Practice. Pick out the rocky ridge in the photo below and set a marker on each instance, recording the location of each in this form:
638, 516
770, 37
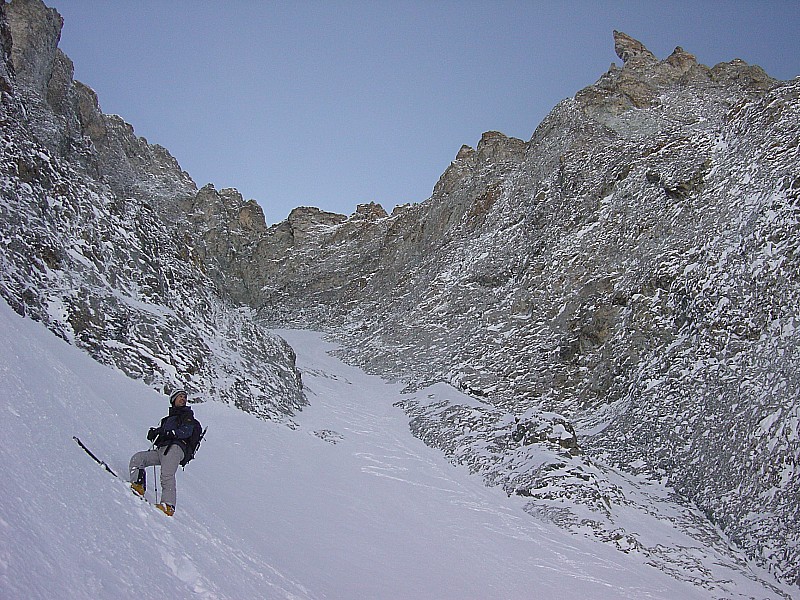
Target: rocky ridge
65, 117
90, 250
631, 269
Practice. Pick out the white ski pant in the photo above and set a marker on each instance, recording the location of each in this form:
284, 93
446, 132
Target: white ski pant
169, 465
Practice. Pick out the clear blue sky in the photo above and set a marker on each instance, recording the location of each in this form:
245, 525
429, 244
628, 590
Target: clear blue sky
334, 103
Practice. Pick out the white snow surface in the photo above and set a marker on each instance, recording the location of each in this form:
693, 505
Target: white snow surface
347, 505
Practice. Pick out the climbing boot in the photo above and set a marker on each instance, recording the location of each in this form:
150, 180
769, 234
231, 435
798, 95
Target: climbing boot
167, 509
140, 485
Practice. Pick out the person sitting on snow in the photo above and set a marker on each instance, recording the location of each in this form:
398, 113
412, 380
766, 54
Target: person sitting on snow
171, 439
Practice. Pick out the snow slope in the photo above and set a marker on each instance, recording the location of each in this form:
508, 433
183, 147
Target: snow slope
347, 504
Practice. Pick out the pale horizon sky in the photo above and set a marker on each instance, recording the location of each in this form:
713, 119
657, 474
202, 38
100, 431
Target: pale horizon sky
334, 104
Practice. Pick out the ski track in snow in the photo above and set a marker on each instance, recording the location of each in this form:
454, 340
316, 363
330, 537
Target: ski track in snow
347, 505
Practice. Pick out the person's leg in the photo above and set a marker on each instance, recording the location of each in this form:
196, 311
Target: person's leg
139, 461
170, 460
136, 469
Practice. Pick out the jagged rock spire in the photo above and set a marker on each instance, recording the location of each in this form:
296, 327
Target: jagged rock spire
627, 48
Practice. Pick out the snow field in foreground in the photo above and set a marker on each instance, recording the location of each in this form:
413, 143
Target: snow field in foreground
347, 505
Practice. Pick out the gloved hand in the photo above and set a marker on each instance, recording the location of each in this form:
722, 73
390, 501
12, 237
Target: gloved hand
152, 434
169, 435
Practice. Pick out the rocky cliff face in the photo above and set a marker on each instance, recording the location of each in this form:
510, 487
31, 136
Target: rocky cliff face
95, 243
65, 117
630, 271
618, 294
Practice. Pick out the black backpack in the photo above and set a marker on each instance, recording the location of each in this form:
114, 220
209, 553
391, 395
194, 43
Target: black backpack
193, 443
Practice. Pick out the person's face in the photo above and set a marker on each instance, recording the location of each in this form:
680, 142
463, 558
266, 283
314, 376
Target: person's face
180, 400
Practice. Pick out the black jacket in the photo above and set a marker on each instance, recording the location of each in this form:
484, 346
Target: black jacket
176, 427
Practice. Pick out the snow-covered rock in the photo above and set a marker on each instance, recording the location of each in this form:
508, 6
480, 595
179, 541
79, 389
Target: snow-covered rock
113, 272
631, 269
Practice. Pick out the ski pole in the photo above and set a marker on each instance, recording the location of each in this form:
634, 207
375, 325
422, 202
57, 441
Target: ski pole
155, 479
155, 482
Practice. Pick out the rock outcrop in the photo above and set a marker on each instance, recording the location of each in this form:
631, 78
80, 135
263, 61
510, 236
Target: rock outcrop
96, 246
65, 116
630, 270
